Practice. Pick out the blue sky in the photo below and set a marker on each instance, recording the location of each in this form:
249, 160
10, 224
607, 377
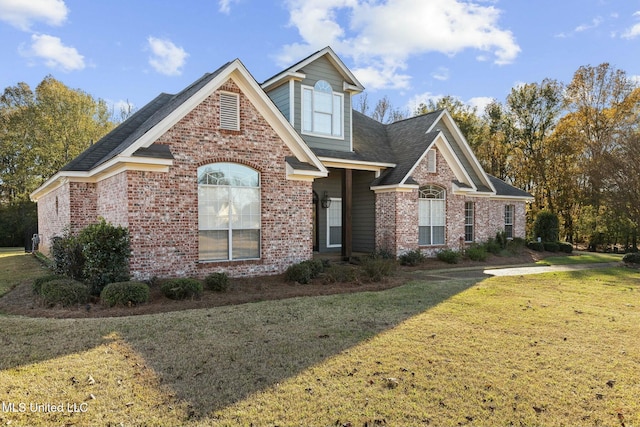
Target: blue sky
408, 50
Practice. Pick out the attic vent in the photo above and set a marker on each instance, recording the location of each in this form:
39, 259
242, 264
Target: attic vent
431, 161
229, 111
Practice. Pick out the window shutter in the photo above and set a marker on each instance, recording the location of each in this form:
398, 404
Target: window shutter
229, 111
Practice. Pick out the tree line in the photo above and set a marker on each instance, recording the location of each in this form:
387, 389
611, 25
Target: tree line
40, 131
575, 147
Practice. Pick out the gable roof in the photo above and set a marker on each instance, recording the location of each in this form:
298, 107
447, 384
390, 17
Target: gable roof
133, 140
296, 71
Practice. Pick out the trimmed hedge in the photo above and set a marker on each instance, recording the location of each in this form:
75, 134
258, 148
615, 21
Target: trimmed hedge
66, 292
536, 246
125, 293
37, 283
476, 253
631, 258
303, 272
412, 258
218, 282
182, 288
449, 256
377, 268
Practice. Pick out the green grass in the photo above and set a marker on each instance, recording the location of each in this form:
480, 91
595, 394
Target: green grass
549, 349
581, 258
17, 267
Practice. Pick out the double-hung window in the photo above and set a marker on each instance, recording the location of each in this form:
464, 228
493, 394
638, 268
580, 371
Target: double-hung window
469, 219
322, 110
509, 212
228, 212
431, 215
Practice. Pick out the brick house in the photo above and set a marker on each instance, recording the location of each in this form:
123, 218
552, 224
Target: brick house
231, 175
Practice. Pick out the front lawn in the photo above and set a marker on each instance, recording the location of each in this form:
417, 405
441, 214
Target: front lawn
581, 258
548, 349
17, 267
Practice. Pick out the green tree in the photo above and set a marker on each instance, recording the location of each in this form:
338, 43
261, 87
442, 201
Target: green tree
41, 131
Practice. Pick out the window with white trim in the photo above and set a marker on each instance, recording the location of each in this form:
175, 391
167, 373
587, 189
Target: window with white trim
229, 111
509, 214
431, 215
334, 224
322, 110
228, 212
469, 219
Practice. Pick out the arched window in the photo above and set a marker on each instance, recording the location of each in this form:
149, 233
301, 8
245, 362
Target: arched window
322, 110
228, 212
431, 215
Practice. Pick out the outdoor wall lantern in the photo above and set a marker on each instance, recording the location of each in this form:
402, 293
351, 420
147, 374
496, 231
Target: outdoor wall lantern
326, 201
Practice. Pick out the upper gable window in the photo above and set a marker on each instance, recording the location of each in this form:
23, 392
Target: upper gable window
229, 111
322, 110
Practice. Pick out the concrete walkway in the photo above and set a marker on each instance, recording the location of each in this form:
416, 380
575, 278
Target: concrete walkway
520, 271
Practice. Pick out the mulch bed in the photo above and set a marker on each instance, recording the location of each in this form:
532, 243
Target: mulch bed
21, 301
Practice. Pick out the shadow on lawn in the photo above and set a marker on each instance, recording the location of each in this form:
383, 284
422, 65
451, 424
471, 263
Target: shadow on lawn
216, 357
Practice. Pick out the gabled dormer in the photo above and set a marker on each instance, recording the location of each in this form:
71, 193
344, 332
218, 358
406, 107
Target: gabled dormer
315, 95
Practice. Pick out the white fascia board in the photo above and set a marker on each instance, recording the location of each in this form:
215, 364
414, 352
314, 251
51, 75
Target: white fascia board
104, 171
475, 163
304, 175
333, 162
282, 79
397, 188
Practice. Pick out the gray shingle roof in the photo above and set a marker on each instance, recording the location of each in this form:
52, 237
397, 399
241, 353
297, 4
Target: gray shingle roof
504, 189
124, 135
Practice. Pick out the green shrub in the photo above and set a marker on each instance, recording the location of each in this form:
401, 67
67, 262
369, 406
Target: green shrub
106, 250
183, 288
412, 258
565, 247
551, 246
383, 254
377, 268
516, 245
449, 256
476, 253
299, 272
340, 273
631, 258
66, 292
37, 283
493, 246
315, 265
125, 293
68, 259
218, 282
547, 226
536, 246
501, 239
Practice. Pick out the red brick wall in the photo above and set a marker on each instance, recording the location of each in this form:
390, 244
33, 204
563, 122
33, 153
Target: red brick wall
163, 207
397, 214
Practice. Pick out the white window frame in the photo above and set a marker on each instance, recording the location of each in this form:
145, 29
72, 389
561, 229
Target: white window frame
226, 223
310, 113
432, 212
509, 220
469, 221
334, 213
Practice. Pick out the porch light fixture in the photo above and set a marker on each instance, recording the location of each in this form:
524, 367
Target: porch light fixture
326, 201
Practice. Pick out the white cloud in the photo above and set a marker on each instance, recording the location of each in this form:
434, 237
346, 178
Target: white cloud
633, 31
480, 102
384, 35
442, 73
225, 6
54, 53
23, 13
595, 22
166, 58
